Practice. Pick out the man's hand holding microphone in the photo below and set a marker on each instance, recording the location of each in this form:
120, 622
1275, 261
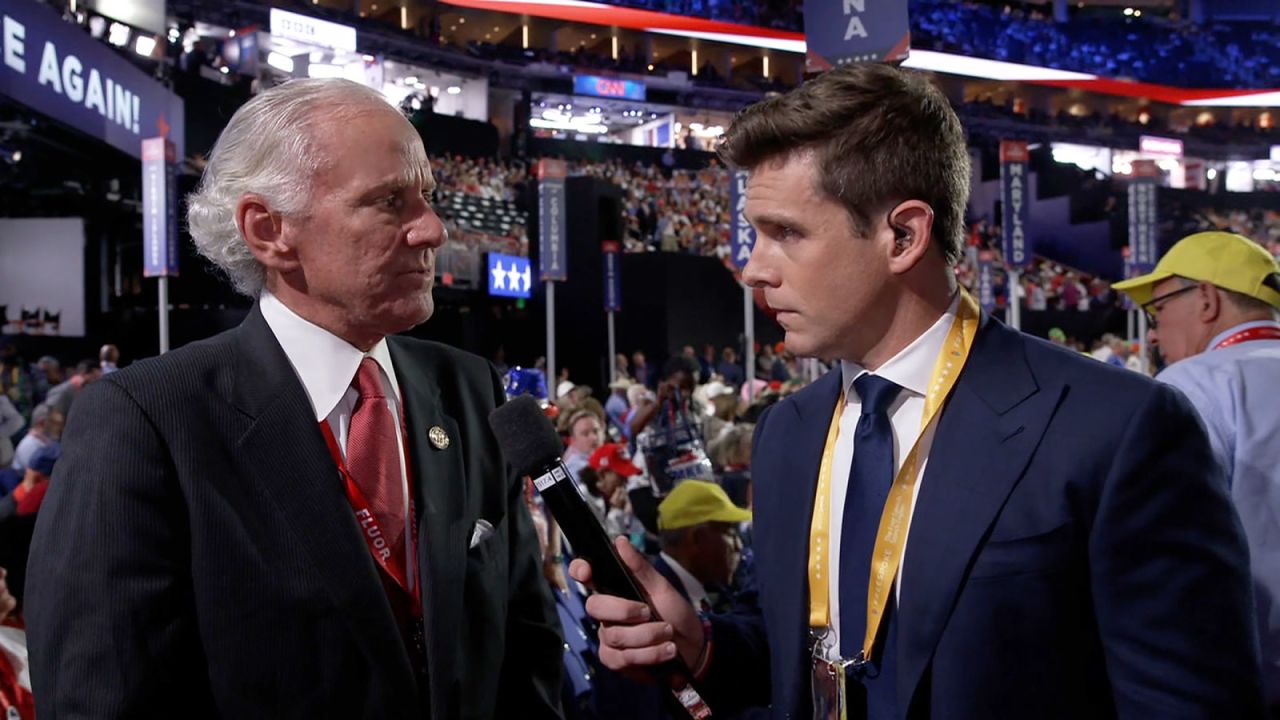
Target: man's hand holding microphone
630, 638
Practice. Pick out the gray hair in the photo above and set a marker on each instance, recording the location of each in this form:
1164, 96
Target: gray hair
268, 148
1252, 305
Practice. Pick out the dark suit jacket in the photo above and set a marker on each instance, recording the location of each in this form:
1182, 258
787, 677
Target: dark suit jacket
1073, 552
197, 556
665, 570
737, 712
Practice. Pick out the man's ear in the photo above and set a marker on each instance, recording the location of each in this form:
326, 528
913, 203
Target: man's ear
1210, 300
263, 231
911, 223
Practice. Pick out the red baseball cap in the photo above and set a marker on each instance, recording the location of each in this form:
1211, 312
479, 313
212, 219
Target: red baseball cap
613, 456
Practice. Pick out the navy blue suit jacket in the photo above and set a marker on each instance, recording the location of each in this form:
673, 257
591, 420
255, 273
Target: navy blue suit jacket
1073, 553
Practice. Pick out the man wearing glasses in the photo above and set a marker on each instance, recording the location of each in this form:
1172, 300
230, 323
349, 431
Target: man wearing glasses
1214, 302
701, 546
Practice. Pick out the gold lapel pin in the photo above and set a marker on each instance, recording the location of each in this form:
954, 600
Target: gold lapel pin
438, 437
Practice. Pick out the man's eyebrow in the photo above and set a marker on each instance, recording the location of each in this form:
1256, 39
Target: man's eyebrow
774, 219
383, 187
420, 174
402, 181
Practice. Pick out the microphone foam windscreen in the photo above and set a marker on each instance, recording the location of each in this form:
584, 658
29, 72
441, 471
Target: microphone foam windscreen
528, 440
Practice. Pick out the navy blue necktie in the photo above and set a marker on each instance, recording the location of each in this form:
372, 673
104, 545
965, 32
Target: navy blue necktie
870, 478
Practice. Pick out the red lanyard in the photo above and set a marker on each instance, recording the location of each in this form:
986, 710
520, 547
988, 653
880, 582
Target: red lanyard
394, 565
1265, 332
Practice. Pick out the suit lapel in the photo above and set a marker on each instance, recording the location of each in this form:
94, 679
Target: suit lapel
803, 435
988, 431
283, 449
795, 440
439, 481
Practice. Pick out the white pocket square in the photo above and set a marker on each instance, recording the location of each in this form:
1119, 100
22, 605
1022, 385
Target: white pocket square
480, 532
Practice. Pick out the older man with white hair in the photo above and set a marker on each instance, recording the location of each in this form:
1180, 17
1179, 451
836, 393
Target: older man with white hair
303, 516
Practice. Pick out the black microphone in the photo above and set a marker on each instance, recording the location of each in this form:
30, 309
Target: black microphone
533, 448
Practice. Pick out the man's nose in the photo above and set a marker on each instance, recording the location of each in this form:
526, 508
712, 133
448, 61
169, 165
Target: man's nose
428, 229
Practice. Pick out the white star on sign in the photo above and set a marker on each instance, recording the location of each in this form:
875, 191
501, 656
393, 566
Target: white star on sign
499, 277
524, 276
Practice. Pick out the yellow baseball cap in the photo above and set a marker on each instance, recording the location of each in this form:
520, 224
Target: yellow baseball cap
1229, 261
694, 502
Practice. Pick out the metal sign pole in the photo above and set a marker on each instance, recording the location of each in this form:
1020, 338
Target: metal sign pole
551, 250
1015, 302
613, 351
552, 379
160, 223
163, 303
749, 321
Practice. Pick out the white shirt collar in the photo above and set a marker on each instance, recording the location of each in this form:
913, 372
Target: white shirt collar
1239, 328
325, 363
912, 367
694, 589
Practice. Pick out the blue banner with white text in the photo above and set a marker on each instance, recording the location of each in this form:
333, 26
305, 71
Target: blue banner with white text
612, 276
986, 281
58, 69
1143, 224
838, 32
552, 243
1015, 197
159, 209
742, 236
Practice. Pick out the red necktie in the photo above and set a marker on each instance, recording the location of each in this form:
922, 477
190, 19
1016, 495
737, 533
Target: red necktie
373, 457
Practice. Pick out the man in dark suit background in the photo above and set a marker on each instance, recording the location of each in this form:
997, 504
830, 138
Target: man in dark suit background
1059, 544
303, 516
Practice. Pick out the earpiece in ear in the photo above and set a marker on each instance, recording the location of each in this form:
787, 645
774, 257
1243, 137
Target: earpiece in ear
901, 237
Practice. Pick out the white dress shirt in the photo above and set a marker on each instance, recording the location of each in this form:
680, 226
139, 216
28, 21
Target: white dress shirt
326, 365
911, 368
1235, 390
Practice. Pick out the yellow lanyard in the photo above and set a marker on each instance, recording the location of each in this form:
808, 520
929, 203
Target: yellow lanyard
887, 556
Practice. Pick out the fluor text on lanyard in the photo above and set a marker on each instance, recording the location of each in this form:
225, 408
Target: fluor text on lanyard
396, 566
